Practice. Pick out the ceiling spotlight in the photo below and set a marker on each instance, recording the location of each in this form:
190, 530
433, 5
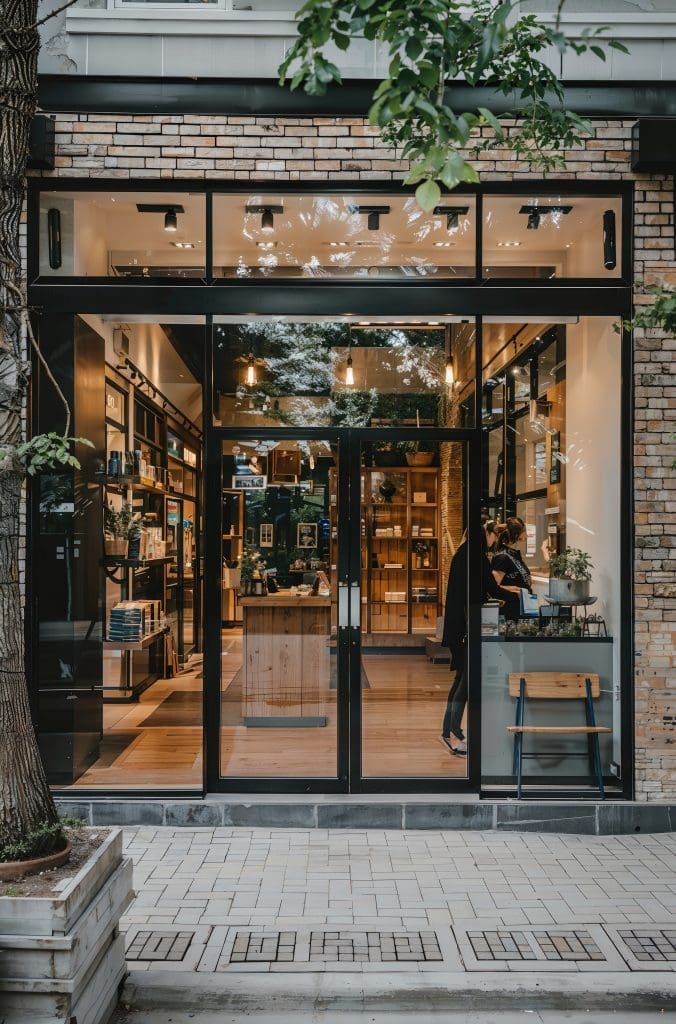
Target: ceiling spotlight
349, 373
533, 221
170, 220
251, 371
452, 215
373, 215
373, 221
535, 213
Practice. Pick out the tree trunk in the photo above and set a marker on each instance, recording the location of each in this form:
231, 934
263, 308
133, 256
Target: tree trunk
25, 800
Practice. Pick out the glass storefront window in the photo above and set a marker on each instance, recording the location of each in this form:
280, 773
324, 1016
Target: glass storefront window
360, 236
560, 490
535, 236
122, 234
343, 372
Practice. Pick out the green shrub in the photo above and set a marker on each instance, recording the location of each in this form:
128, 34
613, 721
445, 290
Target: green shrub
46, 839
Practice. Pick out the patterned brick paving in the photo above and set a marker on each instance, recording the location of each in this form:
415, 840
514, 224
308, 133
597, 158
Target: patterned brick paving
159, 946
650, 945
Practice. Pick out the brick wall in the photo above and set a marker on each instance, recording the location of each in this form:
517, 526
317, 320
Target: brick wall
148, 147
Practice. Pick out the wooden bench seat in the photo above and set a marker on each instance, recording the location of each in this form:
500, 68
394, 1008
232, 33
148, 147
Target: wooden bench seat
583, 686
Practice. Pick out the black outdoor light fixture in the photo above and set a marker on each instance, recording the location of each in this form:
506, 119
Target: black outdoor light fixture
609, 241
170, 211
452, 214
54, 237
373, 215
267, 212
536, 213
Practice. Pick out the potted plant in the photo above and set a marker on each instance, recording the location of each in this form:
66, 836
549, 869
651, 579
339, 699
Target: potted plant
389, 453
116, 526
419, 453
248, 567
569, 576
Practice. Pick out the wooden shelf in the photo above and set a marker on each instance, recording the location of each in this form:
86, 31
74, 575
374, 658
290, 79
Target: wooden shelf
136, 483
135, 645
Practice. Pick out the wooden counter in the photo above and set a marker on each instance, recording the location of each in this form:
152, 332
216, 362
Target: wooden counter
287, 666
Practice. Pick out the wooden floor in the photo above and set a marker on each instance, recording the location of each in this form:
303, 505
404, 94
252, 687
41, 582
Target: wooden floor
402, 711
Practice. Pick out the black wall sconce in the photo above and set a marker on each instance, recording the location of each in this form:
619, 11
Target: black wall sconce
54, 237
609, 241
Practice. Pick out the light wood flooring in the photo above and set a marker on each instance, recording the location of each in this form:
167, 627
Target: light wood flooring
402, 711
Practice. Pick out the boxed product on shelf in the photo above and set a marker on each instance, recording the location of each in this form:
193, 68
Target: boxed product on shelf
395, 597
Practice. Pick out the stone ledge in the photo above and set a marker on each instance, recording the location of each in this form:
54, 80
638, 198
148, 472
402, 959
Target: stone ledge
422, 811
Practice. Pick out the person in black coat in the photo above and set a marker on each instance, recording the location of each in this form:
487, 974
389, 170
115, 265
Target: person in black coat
455, 638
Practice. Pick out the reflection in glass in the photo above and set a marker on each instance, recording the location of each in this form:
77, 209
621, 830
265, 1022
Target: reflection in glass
531, 236
339, 236
302, 372
279, 617
560, 434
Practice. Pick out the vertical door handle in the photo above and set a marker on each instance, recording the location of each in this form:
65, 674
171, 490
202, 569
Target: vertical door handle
343, 605
355, 606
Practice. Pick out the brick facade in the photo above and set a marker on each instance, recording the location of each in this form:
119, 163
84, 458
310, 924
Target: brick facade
145, 148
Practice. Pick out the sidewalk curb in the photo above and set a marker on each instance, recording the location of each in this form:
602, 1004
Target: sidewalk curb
263, 993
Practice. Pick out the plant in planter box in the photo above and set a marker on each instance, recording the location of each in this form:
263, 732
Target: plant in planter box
569, 575
116, 526
389, 453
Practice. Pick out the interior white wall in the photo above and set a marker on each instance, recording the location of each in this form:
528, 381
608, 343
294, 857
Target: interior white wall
593, 449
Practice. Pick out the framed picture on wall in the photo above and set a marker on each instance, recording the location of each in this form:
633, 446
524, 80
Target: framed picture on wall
284, 465
555, 458
266, 535
307, 535
249, 483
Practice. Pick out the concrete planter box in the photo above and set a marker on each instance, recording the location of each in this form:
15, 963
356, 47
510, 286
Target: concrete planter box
62, 956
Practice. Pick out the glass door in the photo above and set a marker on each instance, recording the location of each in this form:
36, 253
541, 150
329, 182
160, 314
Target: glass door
283, 616
411, 690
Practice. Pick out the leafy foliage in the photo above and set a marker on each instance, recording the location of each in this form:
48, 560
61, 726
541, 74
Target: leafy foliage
117, 522
571, 564
431, 44
47, 838
46, 451
660, 314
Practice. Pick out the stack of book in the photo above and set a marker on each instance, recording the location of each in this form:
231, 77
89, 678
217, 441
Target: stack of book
130, 621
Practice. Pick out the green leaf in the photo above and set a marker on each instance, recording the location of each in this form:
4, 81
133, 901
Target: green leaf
600, 53
428, 195
617, 45
490, 118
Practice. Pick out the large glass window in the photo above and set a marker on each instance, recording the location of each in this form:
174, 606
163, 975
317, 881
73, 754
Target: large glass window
122, 234
536, 236
557, 500
343, 372
360, 236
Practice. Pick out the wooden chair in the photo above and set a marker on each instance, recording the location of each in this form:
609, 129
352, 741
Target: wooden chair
583, 686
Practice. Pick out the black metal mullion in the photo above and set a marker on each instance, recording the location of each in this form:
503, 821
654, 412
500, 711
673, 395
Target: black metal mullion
211, 617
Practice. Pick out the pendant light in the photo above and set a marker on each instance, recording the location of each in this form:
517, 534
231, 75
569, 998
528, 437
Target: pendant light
349, 372
450, 366
250, 371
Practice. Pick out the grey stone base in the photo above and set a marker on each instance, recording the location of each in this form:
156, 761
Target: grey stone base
428, 811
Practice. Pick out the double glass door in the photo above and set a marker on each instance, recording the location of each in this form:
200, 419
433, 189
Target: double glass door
335, 552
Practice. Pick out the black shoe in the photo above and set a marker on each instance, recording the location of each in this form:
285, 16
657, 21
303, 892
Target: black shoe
447, 743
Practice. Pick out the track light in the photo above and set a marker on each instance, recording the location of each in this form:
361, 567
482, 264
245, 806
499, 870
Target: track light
452, 215
373, 215
533, 221
373, 221
267, 221
251, 371
170, 220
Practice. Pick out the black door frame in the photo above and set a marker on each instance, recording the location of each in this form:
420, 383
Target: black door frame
348, 776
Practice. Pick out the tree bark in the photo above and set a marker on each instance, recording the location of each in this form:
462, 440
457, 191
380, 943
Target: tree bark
25, 799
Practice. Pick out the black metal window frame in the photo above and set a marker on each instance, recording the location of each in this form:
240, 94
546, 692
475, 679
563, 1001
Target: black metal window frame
473, 297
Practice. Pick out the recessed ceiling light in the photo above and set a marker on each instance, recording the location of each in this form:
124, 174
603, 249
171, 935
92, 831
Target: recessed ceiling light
183, 245
508, 245
266, 245
335, 244
444, 245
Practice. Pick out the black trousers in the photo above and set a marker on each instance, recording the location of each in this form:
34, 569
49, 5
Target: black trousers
455, 705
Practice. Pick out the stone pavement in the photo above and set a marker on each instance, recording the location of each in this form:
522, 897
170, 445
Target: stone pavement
228, 902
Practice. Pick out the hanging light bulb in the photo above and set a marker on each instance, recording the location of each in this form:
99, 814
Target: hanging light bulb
311, 461
450, 372
251, 371
349, 373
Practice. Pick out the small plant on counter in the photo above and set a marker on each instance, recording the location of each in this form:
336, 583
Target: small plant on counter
571, 564
117, 522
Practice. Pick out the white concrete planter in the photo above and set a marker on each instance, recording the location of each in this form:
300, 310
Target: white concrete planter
62, 956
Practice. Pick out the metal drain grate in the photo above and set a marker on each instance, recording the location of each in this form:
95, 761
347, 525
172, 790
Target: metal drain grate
564, 945
373, 947
159, 946
501, 945
649, 945
263, 947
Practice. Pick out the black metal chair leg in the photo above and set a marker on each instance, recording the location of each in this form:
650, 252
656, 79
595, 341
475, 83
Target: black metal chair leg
599, 771
519, 770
